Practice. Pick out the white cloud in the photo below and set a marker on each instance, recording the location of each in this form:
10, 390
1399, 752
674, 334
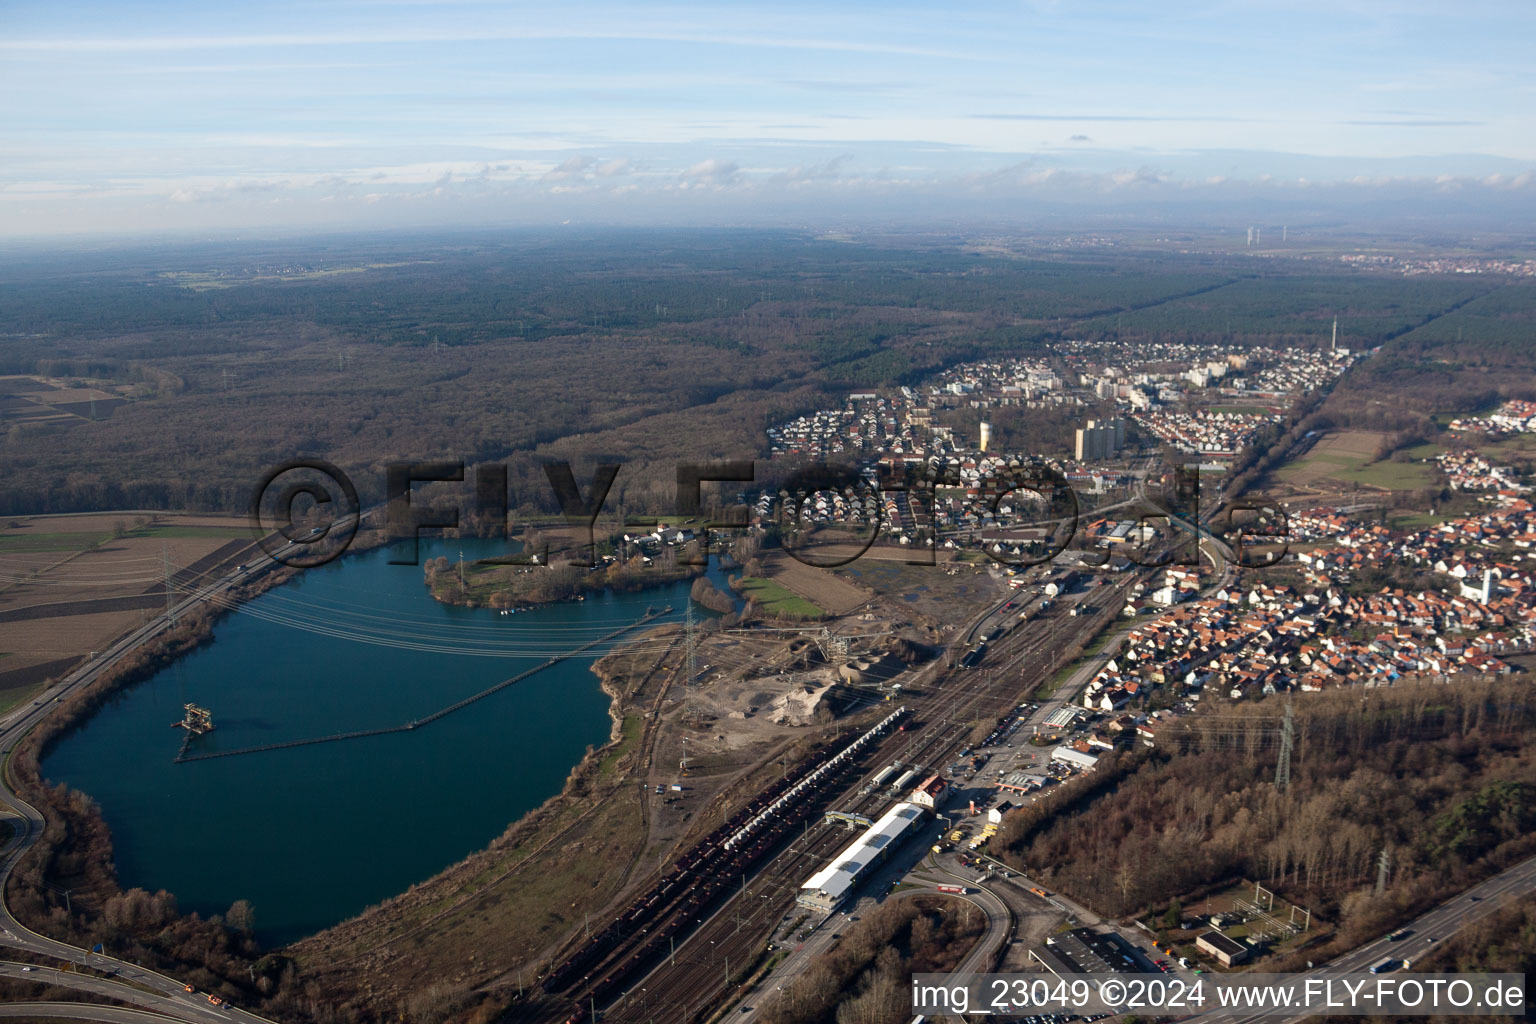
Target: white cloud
484, 33
1140, 176
830, 170
710, 172
572, 167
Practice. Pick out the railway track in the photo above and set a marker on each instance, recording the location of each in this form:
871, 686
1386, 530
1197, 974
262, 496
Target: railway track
701, 879
727, 941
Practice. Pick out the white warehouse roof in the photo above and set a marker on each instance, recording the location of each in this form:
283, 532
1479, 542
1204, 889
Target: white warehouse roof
1076, 758
834, 880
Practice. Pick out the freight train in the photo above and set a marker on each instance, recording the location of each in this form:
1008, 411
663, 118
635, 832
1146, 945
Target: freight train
705, 874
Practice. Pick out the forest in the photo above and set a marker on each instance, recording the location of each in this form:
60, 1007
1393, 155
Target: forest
1442, 777
642, 347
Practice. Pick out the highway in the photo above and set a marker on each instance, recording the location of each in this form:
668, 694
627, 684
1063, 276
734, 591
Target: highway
187, 1007
84, 1011
164, 993
150, 989
1428, 930
1435, 925
166, 998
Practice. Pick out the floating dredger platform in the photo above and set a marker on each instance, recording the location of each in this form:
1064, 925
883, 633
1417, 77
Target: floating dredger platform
196, 721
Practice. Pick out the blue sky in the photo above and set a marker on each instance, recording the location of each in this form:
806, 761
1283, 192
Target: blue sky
193, 116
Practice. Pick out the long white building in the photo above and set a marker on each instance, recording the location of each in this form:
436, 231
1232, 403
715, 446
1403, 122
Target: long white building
827, 888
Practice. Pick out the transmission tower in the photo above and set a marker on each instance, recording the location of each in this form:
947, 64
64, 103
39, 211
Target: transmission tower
693, 653
691, 711
839, 647
1383, 868
170, 590
1287, 738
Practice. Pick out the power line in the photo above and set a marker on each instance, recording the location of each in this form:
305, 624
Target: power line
170, 593
691, 711
693, 655
1287, 739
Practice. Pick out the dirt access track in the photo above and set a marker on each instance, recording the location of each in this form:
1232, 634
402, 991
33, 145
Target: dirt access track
71, 584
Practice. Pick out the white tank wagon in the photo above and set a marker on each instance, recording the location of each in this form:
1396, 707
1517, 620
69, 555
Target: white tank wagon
836, 764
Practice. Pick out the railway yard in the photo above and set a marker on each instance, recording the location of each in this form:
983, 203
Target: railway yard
698, 930
769, 728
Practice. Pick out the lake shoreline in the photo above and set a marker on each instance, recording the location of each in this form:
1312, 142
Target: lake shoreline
253, 715
445, 591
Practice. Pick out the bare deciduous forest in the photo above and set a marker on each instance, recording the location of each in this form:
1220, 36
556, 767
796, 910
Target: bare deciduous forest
642, 347
660, 347
1442, 777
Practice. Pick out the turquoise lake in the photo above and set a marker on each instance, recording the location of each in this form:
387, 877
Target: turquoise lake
312, 835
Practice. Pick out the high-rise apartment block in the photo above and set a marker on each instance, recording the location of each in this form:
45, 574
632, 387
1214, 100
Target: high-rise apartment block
1098, 439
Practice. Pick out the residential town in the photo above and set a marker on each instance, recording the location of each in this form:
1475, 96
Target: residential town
1467, 470
713, 513
1513, 417
1256, 636
1420, 266
1167, 387
1221, 434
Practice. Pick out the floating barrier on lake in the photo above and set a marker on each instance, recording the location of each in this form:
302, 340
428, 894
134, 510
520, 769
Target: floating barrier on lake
650, 616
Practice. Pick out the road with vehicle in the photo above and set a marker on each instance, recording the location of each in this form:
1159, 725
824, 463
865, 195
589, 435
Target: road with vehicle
27, 826
84, 1011
191, 1007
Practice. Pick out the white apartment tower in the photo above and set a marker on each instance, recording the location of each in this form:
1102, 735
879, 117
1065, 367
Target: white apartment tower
1100, 439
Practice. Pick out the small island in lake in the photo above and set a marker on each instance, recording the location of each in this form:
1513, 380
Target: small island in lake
519, 581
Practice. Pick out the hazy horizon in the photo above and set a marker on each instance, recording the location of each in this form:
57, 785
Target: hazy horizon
170, 118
